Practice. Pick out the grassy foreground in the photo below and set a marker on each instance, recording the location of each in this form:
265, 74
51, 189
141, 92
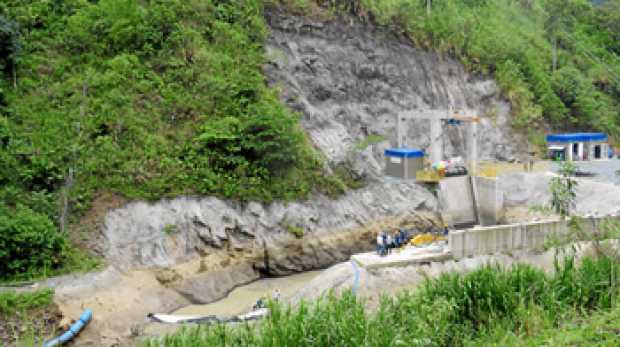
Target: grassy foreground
26, 317
491, 305
600, 329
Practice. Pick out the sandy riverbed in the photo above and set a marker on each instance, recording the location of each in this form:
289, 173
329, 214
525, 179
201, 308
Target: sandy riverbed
241, 299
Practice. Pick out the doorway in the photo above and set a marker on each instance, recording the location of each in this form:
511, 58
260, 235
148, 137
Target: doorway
597, 152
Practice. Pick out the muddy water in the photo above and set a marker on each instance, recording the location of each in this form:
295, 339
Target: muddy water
241, 299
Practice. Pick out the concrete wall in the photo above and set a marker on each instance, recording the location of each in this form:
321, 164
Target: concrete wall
490, 200
505, 238
456, 200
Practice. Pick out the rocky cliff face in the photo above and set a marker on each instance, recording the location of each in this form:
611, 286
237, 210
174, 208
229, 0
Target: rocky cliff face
349, 80
238, 241
142, 235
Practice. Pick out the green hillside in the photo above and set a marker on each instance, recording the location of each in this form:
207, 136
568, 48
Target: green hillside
150, 99
145, 99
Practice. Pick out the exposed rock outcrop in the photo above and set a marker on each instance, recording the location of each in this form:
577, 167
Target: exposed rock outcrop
211, 285
142, 235
349, 80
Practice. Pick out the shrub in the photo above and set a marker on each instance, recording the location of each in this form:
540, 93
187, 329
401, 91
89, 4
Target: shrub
29, 242
563, 190
296, 231
371, 139
170, 229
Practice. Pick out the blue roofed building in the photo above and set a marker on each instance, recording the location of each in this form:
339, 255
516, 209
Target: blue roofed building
403, 162
578, 146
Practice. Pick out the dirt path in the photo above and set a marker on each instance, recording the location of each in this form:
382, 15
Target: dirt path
120, 302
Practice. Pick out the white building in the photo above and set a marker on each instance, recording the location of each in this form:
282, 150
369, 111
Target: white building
578, 146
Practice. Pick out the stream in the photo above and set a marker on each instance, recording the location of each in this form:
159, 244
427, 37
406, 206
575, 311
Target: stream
241, 299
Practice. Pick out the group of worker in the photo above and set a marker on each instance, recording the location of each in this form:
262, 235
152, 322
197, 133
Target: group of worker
387, 241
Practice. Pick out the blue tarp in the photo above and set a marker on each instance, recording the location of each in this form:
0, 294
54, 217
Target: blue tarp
577, 137
404, 152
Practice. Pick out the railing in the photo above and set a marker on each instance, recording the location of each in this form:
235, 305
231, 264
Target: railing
495, 169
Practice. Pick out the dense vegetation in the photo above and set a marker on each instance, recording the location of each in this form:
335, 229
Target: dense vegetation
600, 329
478, 308
145, 99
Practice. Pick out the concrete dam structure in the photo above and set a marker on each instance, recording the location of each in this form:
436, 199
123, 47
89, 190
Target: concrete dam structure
491, 240
466, 200
522, 236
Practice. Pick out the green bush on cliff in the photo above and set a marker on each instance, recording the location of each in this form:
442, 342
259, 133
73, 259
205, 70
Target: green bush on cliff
29, 242
150, 99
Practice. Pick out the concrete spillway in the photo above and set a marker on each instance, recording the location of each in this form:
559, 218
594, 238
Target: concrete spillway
470, 200
456, 200
403, 257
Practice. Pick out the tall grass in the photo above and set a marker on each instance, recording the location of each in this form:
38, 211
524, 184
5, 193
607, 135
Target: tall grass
446, 311
13, 303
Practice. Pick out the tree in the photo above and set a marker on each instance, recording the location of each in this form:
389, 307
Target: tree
559, 19
562, 187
